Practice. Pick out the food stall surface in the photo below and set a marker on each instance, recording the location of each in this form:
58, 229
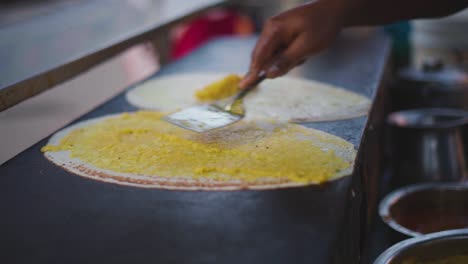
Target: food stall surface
41, 51
52, 216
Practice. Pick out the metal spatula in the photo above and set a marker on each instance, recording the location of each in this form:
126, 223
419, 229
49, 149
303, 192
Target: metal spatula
207, 117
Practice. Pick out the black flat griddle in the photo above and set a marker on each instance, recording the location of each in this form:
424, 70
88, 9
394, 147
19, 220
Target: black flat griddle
49, 215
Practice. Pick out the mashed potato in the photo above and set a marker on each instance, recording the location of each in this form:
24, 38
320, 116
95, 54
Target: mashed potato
218, 90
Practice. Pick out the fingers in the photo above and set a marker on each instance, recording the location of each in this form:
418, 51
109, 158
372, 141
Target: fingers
294, 55
248, 79
281, 63
271, 41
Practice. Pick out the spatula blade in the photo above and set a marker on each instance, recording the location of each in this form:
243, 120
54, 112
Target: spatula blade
202, 118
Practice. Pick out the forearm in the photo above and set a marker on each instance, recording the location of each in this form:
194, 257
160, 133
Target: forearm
291, 37
378, 12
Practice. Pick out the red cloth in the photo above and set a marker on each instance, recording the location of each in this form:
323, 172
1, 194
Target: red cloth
200, 30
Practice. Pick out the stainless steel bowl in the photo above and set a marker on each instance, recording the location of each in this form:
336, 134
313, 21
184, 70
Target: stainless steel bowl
428, 145
426, 208
427, 248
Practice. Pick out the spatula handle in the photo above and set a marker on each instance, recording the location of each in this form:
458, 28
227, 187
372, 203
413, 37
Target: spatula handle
249, 88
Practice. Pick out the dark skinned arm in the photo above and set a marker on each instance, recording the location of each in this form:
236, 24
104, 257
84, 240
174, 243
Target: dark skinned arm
375, 12
291, 37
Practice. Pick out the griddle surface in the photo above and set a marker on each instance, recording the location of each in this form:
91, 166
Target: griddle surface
51, 216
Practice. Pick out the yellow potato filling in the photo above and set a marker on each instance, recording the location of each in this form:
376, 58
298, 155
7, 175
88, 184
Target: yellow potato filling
143, 144
220, 89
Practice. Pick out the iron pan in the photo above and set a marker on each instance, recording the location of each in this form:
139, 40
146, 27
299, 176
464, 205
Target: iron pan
56, 217
52, 216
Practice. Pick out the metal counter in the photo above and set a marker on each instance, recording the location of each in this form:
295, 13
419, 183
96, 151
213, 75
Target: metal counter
42, 51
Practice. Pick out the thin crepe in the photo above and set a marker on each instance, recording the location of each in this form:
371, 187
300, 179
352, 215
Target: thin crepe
139, 149
284, 99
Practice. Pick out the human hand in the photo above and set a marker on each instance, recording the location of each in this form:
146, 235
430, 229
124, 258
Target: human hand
289, 38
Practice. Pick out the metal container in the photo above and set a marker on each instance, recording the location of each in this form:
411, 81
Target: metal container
432, 86
427, 248
426, 208
428, 145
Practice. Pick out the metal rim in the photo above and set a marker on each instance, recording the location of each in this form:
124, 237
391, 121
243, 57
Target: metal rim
393, 197
400, 247
462, 114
